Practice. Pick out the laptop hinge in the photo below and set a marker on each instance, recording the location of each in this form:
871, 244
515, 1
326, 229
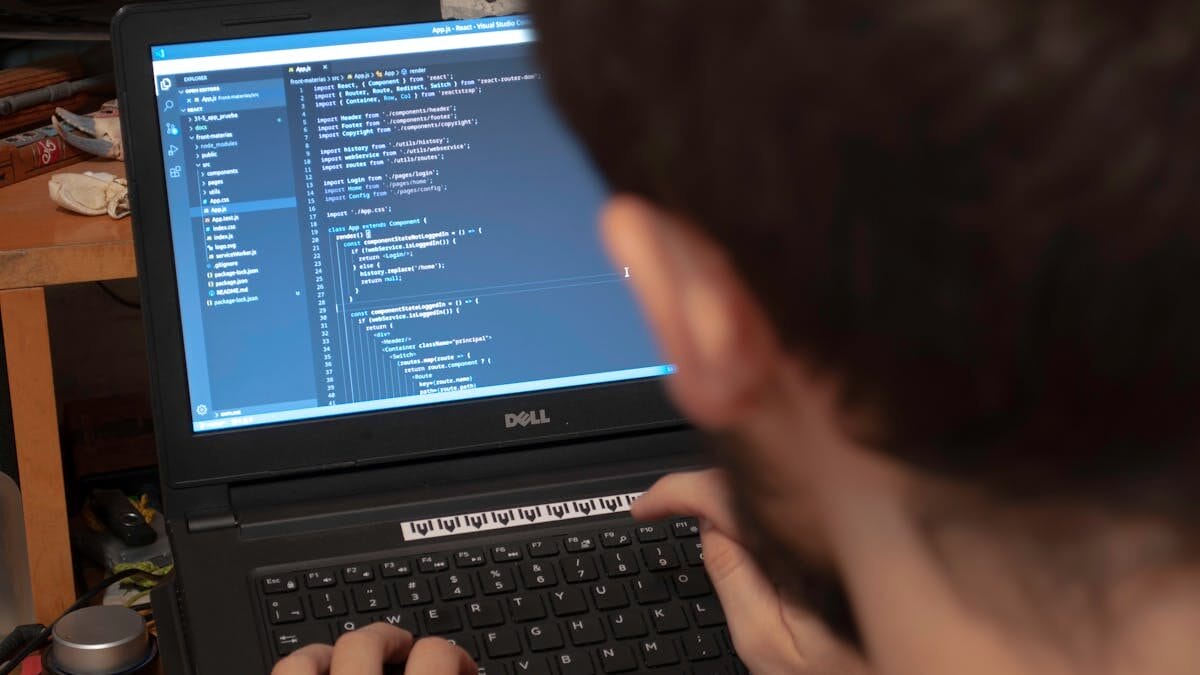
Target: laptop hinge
211, 520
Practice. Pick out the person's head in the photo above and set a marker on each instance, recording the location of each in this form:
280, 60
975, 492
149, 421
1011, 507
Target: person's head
978, 222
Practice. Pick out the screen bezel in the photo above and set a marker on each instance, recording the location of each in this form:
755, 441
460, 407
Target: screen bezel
188, 458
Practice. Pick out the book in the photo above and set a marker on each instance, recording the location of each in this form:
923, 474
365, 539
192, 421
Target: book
33, 153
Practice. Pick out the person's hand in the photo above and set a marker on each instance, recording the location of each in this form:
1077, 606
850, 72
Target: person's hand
771, 635
366, 650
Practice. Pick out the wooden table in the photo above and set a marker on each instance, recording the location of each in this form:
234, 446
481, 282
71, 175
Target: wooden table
42, 245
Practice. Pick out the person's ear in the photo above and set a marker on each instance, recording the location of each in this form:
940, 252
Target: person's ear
707, 322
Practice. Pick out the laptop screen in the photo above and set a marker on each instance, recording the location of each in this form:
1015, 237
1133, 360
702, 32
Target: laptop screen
378, 218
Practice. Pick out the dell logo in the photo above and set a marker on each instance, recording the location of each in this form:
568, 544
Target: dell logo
524, 419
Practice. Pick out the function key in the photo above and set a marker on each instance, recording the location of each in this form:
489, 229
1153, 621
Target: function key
506, 553
542, 548
616, 538
395, 568
285, 610
686, 527
433, 563
356, 574
279, 584
320, 579
579, 543
470, 558
651, 532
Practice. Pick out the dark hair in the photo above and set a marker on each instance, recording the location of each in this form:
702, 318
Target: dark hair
984, 216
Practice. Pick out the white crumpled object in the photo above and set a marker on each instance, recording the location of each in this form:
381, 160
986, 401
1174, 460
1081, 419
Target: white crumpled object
91, 193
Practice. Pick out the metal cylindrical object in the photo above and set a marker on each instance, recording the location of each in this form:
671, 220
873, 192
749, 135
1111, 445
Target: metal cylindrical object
100, 641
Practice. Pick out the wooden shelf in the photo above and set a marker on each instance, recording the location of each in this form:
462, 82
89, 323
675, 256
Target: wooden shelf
44, 245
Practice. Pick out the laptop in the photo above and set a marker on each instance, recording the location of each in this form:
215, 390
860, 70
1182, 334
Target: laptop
395, 377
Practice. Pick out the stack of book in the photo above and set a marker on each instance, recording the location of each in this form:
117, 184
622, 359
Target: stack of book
28, 146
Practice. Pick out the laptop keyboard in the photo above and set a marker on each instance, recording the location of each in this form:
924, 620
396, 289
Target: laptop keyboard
612, 599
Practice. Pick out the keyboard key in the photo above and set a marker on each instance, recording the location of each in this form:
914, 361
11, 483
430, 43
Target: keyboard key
538, 574
691, 584
573, 663
430, 564
668, 619
707, 612
289, 640
286, 609
441, 620
413, 592
649, 590
346, 625
467, 643
327, 604
484, 613
616, 538
660, 557
370, 598
394, 568
658, 652
609, 596
497, 580
279, 584
579, 568
470, 558
568, 601
617, 658
543, 637
686, 527
627, 624
585, 630
526, 608
320, 579
579, 544
357, 574
693, 552
619, 563
701, 645
406, 621
651, 532
455, 586
506, 553
491, 668
501, 642
534, 665
542, 548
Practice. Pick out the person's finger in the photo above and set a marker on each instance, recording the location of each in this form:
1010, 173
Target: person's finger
309, 660
704, 494
435, 656
364, 651
751, 603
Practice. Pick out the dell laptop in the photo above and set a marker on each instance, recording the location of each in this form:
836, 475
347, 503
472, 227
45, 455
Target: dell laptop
395, 377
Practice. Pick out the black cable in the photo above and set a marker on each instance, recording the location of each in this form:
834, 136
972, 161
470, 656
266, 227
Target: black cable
18, 638
84, 599
117, 298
